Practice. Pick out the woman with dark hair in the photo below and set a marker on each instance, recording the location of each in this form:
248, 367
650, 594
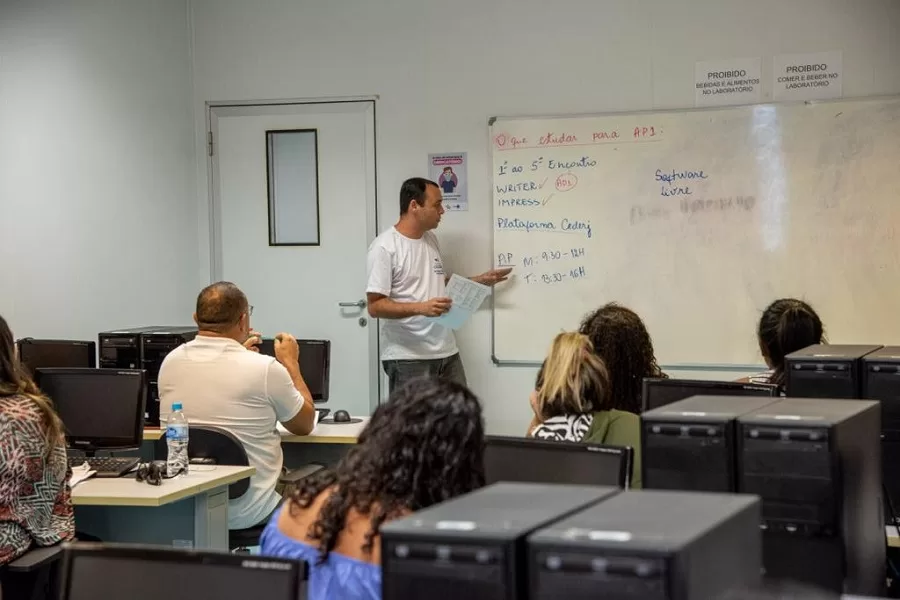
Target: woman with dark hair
424, 446
35, 499
622, 342
787, 325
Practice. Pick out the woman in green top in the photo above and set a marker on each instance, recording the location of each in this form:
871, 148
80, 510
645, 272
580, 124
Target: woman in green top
571, 401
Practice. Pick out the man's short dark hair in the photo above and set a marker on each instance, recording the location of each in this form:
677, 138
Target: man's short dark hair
413, 189
220, 306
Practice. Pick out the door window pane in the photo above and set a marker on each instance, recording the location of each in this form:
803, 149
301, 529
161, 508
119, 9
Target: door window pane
293, 181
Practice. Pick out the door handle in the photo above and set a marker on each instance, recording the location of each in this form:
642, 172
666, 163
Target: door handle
357, 304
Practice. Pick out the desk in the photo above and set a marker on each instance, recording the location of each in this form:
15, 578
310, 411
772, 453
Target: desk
327, 443
893, 538
187, 511
324, 433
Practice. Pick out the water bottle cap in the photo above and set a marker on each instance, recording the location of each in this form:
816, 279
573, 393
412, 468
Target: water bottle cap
176, 406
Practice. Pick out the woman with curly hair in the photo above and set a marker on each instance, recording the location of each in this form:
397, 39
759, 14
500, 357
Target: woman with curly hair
622, 342
424, 446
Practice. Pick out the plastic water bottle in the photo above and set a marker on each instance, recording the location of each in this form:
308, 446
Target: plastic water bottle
177, 434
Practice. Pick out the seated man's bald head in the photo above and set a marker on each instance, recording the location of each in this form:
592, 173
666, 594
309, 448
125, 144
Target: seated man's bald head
220, 307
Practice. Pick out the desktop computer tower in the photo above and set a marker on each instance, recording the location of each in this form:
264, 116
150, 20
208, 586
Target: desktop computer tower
473, 547
826, 371
155, 345
142, 348
690, 444
881, 381
121, 348
649, 545
816, 464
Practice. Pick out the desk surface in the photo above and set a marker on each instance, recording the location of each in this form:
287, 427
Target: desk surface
126, 491
893, 537
324, 433
327, 433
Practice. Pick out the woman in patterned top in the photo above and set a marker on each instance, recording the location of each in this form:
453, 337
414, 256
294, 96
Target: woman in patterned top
572, 402
787, 325
35, 500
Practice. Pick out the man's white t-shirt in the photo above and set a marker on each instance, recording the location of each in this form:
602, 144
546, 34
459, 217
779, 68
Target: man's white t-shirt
409, 270
221, 383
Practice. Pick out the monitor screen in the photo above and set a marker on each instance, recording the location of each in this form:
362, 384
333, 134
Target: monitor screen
152, 574
660, 392
39, 354
315, 364
100, 408
540, 461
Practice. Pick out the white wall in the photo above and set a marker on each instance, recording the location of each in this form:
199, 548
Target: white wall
441, 69
98, 216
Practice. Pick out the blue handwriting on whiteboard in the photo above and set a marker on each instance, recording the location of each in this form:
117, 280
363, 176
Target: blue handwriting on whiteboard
673, 176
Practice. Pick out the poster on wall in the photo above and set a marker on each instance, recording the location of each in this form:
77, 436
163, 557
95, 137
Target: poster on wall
450, 172
727, 82
815, 76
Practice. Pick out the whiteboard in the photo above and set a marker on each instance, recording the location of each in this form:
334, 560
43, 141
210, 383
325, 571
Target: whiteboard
697, 220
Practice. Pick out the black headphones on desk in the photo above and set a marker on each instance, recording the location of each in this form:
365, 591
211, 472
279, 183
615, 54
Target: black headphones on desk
154, 472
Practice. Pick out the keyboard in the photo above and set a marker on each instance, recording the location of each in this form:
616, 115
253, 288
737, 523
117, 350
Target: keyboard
106, 466
323, 412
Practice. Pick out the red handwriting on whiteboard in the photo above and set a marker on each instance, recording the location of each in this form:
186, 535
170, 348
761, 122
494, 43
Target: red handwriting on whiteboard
566, 182
599, 136
645, 132
505, 142
557, 139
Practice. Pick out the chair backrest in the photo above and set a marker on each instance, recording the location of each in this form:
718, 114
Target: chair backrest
218, 445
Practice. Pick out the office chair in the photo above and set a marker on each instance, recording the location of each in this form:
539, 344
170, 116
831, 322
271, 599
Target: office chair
221, 446
32, 576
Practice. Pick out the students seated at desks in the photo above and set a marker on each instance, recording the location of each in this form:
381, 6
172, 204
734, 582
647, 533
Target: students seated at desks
572, 401
787, 325
220, 382
424, 446
621, 340
35, 499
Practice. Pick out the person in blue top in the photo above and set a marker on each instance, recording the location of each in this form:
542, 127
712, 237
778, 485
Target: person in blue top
424, 446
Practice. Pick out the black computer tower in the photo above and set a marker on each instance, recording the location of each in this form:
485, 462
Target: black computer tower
690, 444
816, 464
121, 348
650, 545
473, 547
826, 371
143, 348
155, 345
881, 381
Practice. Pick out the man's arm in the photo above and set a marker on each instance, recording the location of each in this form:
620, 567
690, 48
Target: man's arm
285, 387
492, 277
288, 390
382, 307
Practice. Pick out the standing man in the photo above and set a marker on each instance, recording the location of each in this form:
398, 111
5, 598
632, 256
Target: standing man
407, 285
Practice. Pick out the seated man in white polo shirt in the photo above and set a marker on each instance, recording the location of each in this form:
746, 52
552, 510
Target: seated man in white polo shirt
219, 381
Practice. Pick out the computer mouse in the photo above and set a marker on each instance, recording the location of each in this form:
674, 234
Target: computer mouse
341, 416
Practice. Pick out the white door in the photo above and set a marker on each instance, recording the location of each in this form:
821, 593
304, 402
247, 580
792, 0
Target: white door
310, 291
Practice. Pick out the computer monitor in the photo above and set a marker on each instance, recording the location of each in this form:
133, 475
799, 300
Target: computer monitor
101, 409
315, 364
528, 460
97, 571
38, 354
659, 392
